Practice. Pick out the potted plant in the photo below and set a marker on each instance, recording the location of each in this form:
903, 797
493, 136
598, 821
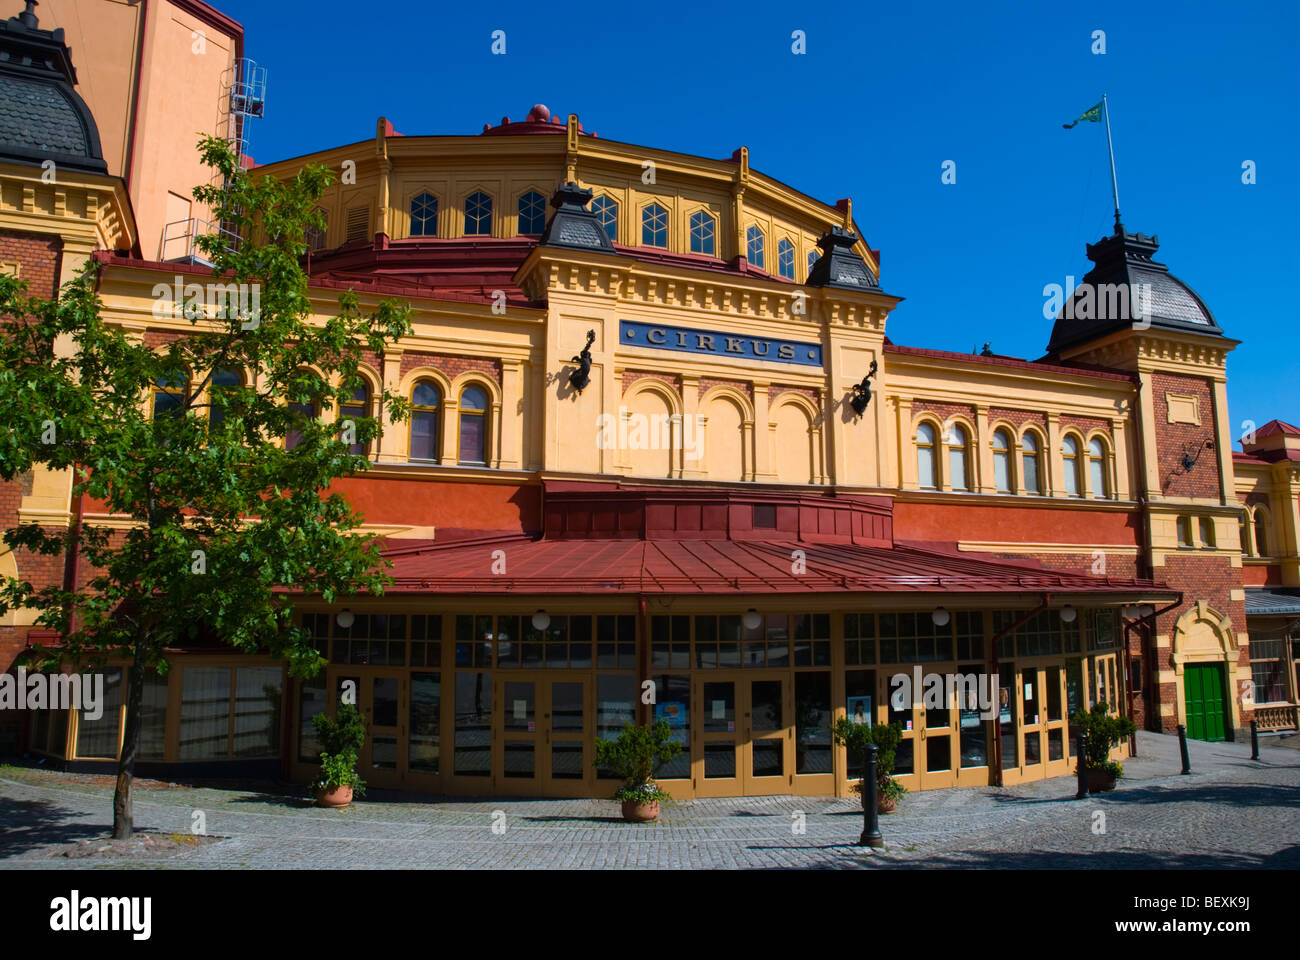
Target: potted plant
886, 736
341, 736
1102, 733
636, 756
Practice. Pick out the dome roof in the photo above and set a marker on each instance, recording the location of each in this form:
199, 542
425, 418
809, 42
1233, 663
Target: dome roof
41, 116
1125, 287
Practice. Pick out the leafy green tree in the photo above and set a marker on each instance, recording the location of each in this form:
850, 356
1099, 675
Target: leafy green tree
227, 519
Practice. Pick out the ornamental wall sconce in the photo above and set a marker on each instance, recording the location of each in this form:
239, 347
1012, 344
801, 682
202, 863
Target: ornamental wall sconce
1192, 451
862, 392
582, 376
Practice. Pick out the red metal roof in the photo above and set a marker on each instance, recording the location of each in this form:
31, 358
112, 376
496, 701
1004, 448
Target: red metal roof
680, 566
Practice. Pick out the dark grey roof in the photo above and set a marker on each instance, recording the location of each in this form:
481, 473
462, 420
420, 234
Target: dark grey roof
1105, 302
839, 265
1274, 602
41, 116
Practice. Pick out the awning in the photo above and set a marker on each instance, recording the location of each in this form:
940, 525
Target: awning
1279, 601
725, 566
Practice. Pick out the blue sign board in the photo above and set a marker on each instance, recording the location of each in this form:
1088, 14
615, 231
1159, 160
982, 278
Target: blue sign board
633, 333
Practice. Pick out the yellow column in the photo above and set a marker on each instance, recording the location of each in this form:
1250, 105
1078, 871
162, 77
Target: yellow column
906, 455
393, 437
984, 450
510, 423
763, 432
1055, 468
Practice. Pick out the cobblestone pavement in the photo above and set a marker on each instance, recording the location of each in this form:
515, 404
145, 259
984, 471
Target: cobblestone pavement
1231, 812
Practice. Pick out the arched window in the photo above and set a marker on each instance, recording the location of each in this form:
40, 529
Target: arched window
654, 226
926, 475
702, 227
532, 213
169, 395
294, 437
957, 443
1097, 470
1261, 532
813, 256
426, 398
357, 407
1002, 461
478, 215
785, 259
222, 380
1243, 528
1070, 462
473, 425
606, 211
1030, 475
754, 246
424, 215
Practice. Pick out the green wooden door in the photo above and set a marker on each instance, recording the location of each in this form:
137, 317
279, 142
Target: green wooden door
1203, 693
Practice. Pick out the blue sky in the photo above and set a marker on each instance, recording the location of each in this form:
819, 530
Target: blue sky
884, 95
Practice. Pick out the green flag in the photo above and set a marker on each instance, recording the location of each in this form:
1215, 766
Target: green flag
1092, 115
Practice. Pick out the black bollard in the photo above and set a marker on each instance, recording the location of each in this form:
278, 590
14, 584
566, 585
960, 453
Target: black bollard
1081, 752
1254, 739
870, 814
1182, 748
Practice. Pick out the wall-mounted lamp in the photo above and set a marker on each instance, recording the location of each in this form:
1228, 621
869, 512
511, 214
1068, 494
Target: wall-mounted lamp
862, 392
582, 376
751, 619
345, 619
1190, 458
1069, 614
541, 620
940, 616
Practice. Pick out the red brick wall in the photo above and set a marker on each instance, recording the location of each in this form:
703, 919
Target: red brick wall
708, 383
451, 367
1210, 579
1019, 417
38, 259
944, 410
1172, 439
632, 376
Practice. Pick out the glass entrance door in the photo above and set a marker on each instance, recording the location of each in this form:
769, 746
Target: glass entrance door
718, 738
382, 697
545, 732
746, 735
937, 720
568, 768
520, 757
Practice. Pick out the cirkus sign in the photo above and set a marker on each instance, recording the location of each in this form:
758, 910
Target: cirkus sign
660, 337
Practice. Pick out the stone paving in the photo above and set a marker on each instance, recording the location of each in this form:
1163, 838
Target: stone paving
1231, 812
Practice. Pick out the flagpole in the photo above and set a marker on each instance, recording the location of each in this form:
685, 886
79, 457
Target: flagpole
1114, 186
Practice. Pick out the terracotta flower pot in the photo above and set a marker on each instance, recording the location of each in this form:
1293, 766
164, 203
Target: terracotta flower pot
636, 811
1100, 780
334, 797
886, 804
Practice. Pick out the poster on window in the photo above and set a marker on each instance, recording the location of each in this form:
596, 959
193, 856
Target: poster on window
860, 710
673, 711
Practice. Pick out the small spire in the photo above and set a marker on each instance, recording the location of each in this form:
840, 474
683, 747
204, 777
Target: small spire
28, 17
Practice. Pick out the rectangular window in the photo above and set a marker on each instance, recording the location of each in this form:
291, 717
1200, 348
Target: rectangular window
257, 712
1104, 623
1185, 531
153, 717
424, 746
1207, 532
859, 692
473, 743
98, 739
673, 704
311, 701
1268, 669
812, 736
205, 713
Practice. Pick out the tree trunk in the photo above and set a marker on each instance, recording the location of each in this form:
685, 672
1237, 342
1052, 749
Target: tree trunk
123, 820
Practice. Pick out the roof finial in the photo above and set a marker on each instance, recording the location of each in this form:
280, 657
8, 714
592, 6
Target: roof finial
28, 17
